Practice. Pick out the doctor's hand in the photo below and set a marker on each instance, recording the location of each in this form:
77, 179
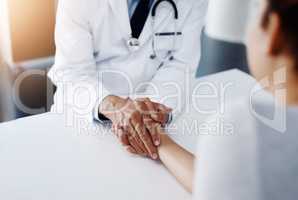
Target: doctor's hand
135, 123
151, 110
131, 144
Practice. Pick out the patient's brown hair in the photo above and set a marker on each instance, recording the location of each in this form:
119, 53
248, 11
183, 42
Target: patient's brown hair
287, 10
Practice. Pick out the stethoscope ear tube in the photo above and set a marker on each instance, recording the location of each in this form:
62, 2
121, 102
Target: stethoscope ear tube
155, 6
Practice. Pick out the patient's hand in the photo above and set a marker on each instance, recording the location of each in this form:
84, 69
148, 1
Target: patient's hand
135, 123
157, 112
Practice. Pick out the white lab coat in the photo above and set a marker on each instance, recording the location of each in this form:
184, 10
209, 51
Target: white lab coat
93, 59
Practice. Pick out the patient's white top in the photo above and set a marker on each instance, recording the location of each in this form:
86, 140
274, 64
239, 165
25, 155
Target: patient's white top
247, 158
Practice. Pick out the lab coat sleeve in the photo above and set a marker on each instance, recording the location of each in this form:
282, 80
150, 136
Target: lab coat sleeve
170, 86
79, 86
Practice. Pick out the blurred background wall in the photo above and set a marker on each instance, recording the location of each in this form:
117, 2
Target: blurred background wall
218, 56
31, 27
27, 50
7, 111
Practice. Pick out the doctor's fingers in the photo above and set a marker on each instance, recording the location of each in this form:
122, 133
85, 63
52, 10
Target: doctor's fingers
142, 107
148, 108
163, 114
154, 105
123, 138
157, 112
161, 118
145, 137
164, 108
131, 150
134, 144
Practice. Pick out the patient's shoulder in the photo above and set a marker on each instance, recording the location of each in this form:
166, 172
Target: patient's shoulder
235, 118
227, 157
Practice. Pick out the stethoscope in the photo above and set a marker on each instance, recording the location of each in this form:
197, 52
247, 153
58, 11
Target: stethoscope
134, 43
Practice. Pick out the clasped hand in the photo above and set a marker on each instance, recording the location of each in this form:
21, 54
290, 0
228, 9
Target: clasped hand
136, 123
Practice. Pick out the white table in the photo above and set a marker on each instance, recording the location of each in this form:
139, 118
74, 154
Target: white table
41, 158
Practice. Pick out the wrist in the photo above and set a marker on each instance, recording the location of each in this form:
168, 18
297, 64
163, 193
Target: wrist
110, 105
165, 141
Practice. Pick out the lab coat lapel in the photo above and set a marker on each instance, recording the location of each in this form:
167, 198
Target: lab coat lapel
120, 11
164, 15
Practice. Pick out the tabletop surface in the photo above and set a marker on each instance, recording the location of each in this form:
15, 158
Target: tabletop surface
42, 158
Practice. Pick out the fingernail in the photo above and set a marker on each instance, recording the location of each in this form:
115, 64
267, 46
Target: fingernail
157, 142
154, 156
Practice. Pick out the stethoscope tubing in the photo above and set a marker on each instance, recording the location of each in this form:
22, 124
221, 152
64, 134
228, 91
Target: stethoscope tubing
169, 55
158, 2
134, 44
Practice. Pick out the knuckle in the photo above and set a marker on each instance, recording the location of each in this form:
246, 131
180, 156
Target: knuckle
150, 128
130, 150
145, 137
148, 121
130, 138
122, 142
133, 134
153, 149
147, 99
126, 127
153, 133
138, 104
135, 114
141, 130
122, 135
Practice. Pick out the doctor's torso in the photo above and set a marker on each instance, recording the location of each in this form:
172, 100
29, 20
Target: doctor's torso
92, 37
111, 31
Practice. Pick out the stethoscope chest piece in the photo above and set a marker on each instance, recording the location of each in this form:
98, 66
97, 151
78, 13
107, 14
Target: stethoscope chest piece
133, 44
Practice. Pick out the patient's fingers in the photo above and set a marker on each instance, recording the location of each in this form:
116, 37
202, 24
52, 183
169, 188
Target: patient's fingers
153, 127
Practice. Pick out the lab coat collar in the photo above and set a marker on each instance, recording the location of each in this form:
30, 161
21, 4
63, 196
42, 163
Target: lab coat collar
120, 9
